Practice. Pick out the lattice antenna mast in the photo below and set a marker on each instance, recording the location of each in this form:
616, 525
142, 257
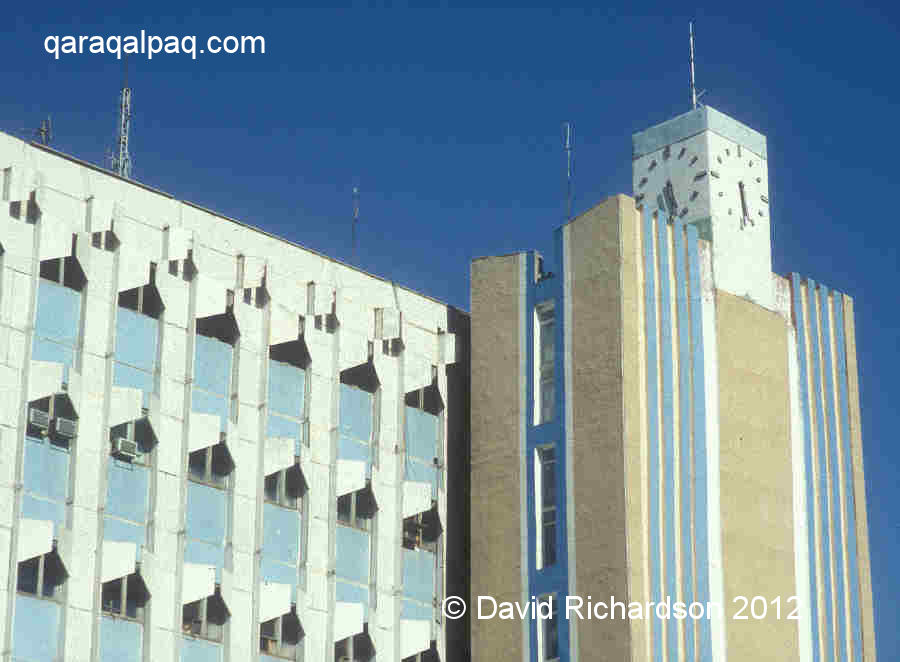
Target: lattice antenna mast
45, 133
569, 148
695, 95
355, 220
121, 158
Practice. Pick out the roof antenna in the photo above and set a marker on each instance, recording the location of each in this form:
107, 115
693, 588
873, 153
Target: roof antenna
355, 218
569, 148
695, 96
120, 161
45, 133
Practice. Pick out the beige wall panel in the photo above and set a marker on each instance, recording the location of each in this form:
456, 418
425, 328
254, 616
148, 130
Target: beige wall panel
756, 479
495, 522
867, 616
598, 456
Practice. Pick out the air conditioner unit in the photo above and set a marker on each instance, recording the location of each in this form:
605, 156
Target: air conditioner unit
125, 448
39, 418
65, 427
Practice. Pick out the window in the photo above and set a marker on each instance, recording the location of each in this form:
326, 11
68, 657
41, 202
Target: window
53, 418
545, 505
6, 184
422, 530
357, 648
64, 270
431, 655
211, 465
125, 597
145, 300
357, 509
132, 442
548, 629
279, 637
545, 392
285, 487
42, 576
205, 618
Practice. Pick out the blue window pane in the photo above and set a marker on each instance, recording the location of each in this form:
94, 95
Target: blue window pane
212, 365
120, 640
203, 553
36, 630
199, 650
206, 513
58, 313
276, 426
54, 352
209, 403
356, 413
286, 387
278, 572
281, 533
125, 375
51, 511
418, 574
352, 554
46, 470
136, 339
117, 530
415, 611
350, 448
421, 434
344, 592
127, 491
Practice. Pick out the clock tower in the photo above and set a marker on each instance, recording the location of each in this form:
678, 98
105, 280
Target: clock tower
710, 170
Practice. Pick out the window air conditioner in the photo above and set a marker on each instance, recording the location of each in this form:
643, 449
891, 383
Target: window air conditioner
65, 427
39, 418
125, 448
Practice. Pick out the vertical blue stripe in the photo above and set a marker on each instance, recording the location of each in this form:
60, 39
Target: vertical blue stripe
824, 509
652, 426
852, 569
799, 315
684, 417
668, 429
698, 369
834, 506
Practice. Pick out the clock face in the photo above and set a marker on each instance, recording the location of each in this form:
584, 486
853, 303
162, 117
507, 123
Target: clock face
705, 177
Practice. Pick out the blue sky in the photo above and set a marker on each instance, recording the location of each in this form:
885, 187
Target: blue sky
449, 119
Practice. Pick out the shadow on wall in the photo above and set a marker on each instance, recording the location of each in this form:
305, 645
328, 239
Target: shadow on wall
458, 459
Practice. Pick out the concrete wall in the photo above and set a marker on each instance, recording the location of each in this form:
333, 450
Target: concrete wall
115, 364
593, 266
498, 417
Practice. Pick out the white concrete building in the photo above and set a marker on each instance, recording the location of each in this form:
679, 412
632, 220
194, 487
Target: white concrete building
216, 445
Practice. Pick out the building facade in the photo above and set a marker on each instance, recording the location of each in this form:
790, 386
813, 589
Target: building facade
216, 445
662, 419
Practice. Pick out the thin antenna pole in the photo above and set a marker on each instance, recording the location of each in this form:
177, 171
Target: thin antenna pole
121, 159
355, 220
693, 86
569, 149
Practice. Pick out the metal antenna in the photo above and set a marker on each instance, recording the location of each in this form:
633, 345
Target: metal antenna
45, 133
121, 159
693, 87
355, 219
569, 149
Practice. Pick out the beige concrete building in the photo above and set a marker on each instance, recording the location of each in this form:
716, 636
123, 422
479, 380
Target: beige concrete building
661, 419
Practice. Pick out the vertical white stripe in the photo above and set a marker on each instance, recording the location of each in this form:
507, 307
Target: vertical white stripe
523, 431
714, 506
570, 434
801, 531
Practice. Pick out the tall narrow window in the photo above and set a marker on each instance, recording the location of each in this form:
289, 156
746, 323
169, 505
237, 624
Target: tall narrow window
545, 505
548, 629
545, 391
